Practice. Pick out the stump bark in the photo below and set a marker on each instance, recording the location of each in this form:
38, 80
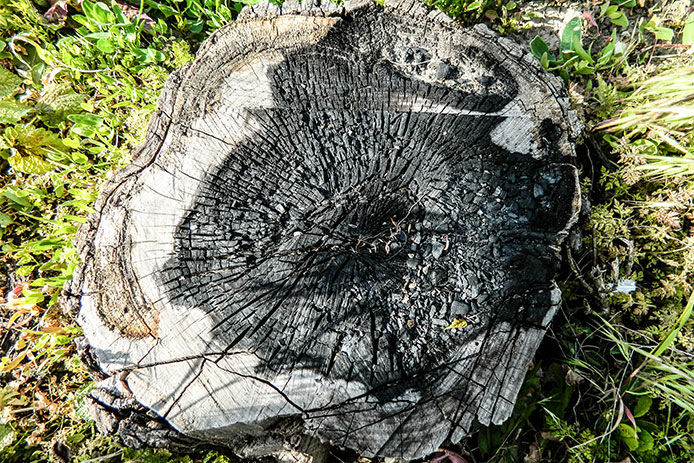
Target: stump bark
320, 195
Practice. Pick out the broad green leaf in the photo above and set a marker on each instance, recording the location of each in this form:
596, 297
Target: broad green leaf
78, 157
583, 68
97, 35
618, 19
10, 135
161, 28
642, 406
538, 47
645, 441
86, 119
33, 297
5, 220
97, 12
484, 442
48, 243
197, 26
12, 111
54, 109
473, 6
626, 432
58, 187
648, 147
150, 55
6, 435
9, 81
30, 164
18, 197
81, 205
166, 10
625, 3
688, 31
73, 143
564, 74
491, 15
582, 53
607, 52
67, 102
664, 33
61, 340
570, 35
83, 130
81, 19
118, 13
544, 61
105, 45
652, 428
606, 8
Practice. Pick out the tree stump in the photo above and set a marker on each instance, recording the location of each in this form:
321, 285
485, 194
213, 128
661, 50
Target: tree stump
343, 223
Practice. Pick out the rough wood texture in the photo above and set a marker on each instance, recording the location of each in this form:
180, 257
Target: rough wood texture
320, 194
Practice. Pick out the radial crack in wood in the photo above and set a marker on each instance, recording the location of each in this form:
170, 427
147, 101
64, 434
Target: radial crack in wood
320, 195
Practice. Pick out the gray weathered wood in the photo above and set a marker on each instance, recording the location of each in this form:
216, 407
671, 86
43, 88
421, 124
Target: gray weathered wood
320, 194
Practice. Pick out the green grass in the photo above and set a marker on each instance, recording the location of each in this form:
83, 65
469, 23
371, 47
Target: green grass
74, 102
612, 380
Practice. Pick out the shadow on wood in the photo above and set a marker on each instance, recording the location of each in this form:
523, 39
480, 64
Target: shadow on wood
320, 195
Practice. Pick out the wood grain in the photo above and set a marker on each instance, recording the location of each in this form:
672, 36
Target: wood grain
321, 193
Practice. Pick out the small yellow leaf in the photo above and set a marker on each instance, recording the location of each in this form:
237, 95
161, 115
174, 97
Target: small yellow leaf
8, 365
30, 164
456, 324
53, 330
14, 317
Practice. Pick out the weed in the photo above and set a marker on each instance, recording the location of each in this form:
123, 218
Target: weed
659, 117
72, 106
503, 14
640, 232
573, 59
75, 97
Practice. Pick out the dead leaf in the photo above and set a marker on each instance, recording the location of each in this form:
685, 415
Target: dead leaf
450, 456
534, 454
591, 20
572, 378
57, 13
133, 14
12, 364
549, 436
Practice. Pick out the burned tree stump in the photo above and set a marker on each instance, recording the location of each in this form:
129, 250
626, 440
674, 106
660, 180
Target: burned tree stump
322, 194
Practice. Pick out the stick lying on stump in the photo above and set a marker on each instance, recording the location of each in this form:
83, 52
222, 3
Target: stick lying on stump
343, 224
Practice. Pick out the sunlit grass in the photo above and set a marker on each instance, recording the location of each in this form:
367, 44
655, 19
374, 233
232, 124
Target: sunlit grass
659, 117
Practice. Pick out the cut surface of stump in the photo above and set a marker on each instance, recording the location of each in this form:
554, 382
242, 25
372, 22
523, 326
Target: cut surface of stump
321, 194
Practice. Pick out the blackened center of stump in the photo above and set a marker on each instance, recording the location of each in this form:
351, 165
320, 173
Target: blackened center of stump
347, 241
